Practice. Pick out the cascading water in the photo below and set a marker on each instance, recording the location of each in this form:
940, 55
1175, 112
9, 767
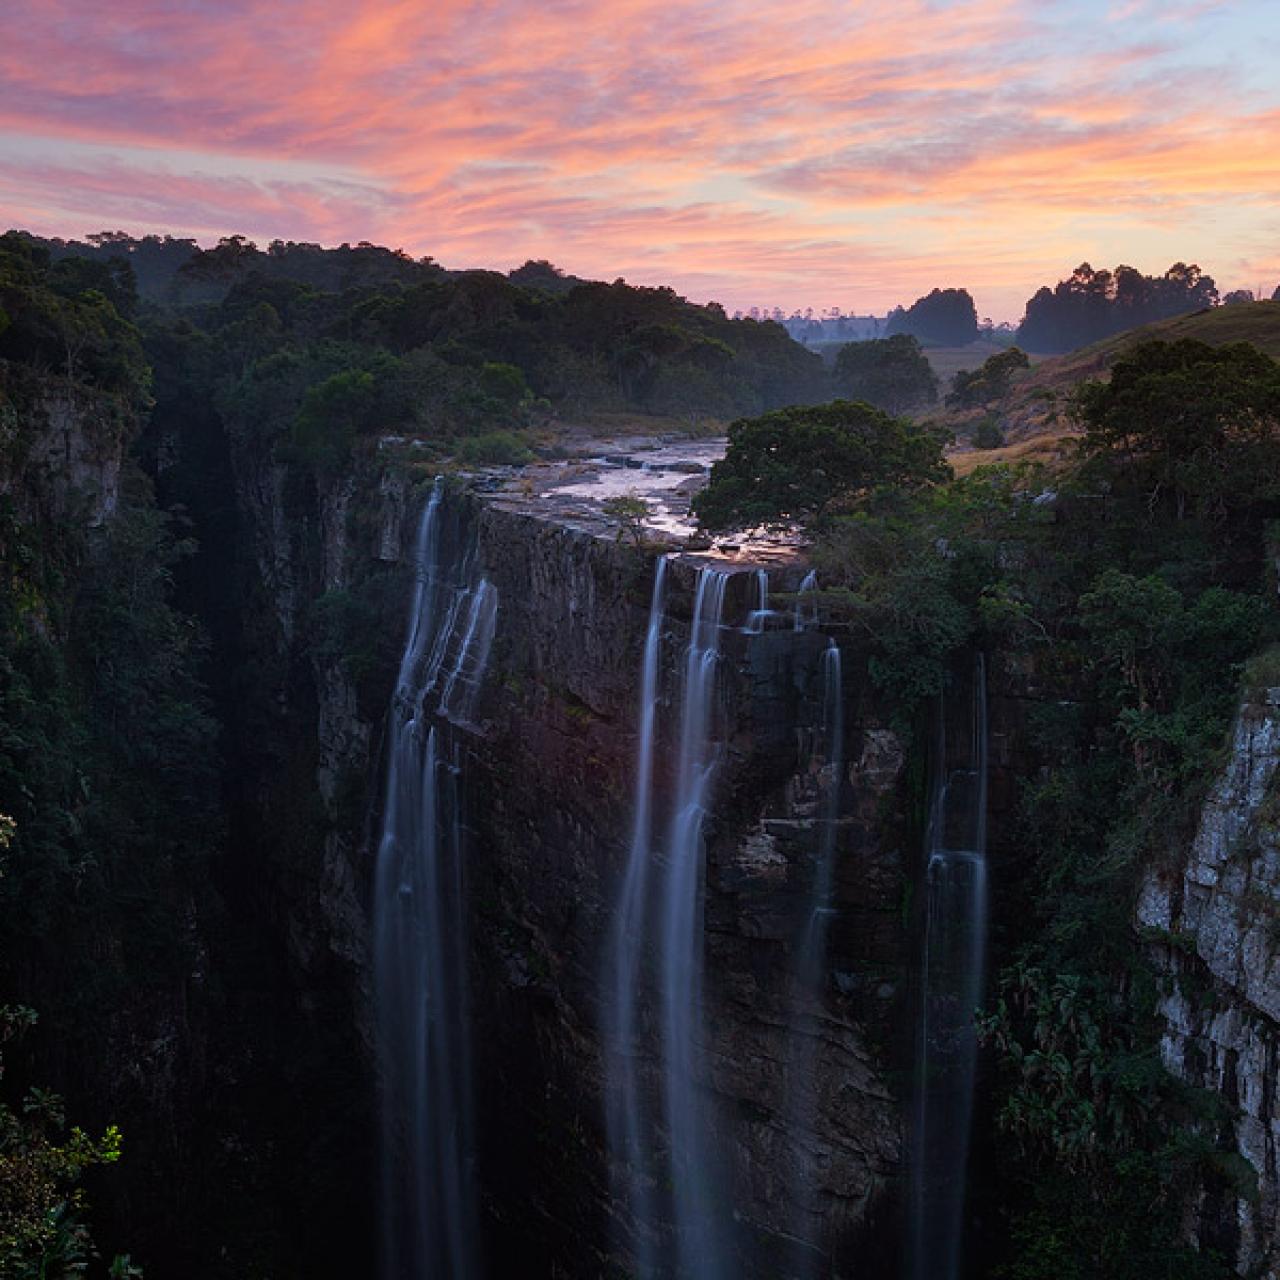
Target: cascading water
428, 1207
806, 613
702, 1244
951, 980
632, 1161
811, 948
759, 615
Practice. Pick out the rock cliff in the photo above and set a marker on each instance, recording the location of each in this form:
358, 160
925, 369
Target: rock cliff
1212, 916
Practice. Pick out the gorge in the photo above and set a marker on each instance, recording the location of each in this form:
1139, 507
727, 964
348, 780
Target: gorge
570, 903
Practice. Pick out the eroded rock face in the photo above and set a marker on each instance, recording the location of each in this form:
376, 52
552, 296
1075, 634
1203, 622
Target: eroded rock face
1215, 920
550, 787
547, 762
68, 455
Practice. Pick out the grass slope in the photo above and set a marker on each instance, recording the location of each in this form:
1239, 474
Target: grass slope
1033, 416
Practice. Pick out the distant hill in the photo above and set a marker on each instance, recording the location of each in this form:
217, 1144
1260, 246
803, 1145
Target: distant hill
1032, 417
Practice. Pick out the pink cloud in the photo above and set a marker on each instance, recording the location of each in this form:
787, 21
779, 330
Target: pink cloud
743, 146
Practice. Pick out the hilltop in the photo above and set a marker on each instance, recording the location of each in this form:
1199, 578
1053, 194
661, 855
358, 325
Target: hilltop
1033, 416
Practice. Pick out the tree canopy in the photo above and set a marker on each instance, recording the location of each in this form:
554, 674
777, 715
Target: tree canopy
942, 318
1090, 305
1195, 427
971, 388
892, 374
794, 464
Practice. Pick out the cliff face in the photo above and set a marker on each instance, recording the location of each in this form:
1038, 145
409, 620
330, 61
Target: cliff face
547, 766
1212, 916
551, 787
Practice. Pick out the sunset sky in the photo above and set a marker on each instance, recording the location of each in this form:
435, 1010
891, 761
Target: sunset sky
849, 153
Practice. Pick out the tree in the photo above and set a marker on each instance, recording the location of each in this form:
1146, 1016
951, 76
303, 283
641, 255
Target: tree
943, 318
972, 388
1090, 305
1197, 428
892, 374
630, 511
792, 465
42, 1228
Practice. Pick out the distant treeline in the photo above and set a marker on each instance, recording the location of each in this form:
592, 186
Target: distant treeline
442, 353
1091, 305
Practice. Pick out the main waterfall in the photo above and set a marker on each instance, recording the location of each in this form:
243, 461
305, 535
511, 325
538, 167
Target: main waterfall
427, 1194
626, 1124
810, 954
955, 930
701, 1245
670, 922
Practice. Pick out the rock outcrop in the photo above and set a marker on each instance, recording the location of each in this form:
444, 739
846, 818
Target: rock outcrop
1212, 917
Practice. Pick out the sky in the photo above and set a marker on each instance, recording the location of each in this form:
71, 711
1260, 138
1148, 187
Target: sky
797, 153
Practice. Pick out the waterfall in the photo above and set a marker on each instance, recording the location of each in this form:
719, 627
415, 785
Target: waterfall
951, 981
427, 1196
701, 1244
758, 616
807, 972
633, 1177
806, 614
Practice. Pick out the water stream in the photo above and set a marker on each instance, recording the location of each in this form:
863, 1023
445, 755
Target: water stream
632, 1162
951, 977
810, 954
428, 1199
702, 1246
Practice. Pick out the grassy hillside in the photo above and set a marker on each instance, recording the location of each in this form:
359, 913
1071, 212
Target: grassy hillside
1035, 408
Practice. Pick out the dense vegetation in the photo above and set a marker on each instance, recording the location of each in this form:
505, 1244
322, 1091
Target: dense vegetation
1135, 584
107, 745
975, 388
794, 464
1091, 305
375, 342
892, 374
942, 318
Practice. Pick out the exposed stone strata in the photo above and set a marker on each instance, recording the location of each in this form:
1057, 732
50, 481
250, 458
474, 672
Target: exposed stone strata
548, 769
1215, 921
66, 452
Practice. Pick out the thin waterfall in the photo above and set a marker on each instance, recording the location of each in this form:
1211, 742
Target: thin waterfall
806, 611
702, 1245
807, 973
951, 979
631, 1153
760, 614
427, 1201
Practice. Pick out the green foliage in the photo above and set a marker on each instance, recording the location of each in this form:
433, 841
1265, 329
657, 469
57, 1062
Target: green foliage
1194, 428
630, 512
943, 318
987, 434
493, 449
794, 464
971, 388
43, 1234
66, 322
1090, 304
890, 373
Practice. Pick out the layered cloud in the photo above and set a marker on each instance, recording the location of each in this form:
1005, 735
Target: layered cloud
824, 152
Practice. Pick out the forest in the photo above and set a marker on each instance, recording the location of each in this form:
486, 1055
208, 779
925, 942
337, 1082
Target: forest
213, 465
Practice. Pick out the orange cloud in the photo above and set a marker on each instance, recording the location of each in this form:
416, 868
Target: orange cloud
820, 152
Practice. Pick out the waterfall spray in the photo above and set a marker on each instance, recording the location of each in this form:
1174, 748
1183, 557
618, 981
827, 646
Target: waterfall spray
702, 1247
951, 980
427, 1196
758, 616
806, 611
807, 972
631, 1155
